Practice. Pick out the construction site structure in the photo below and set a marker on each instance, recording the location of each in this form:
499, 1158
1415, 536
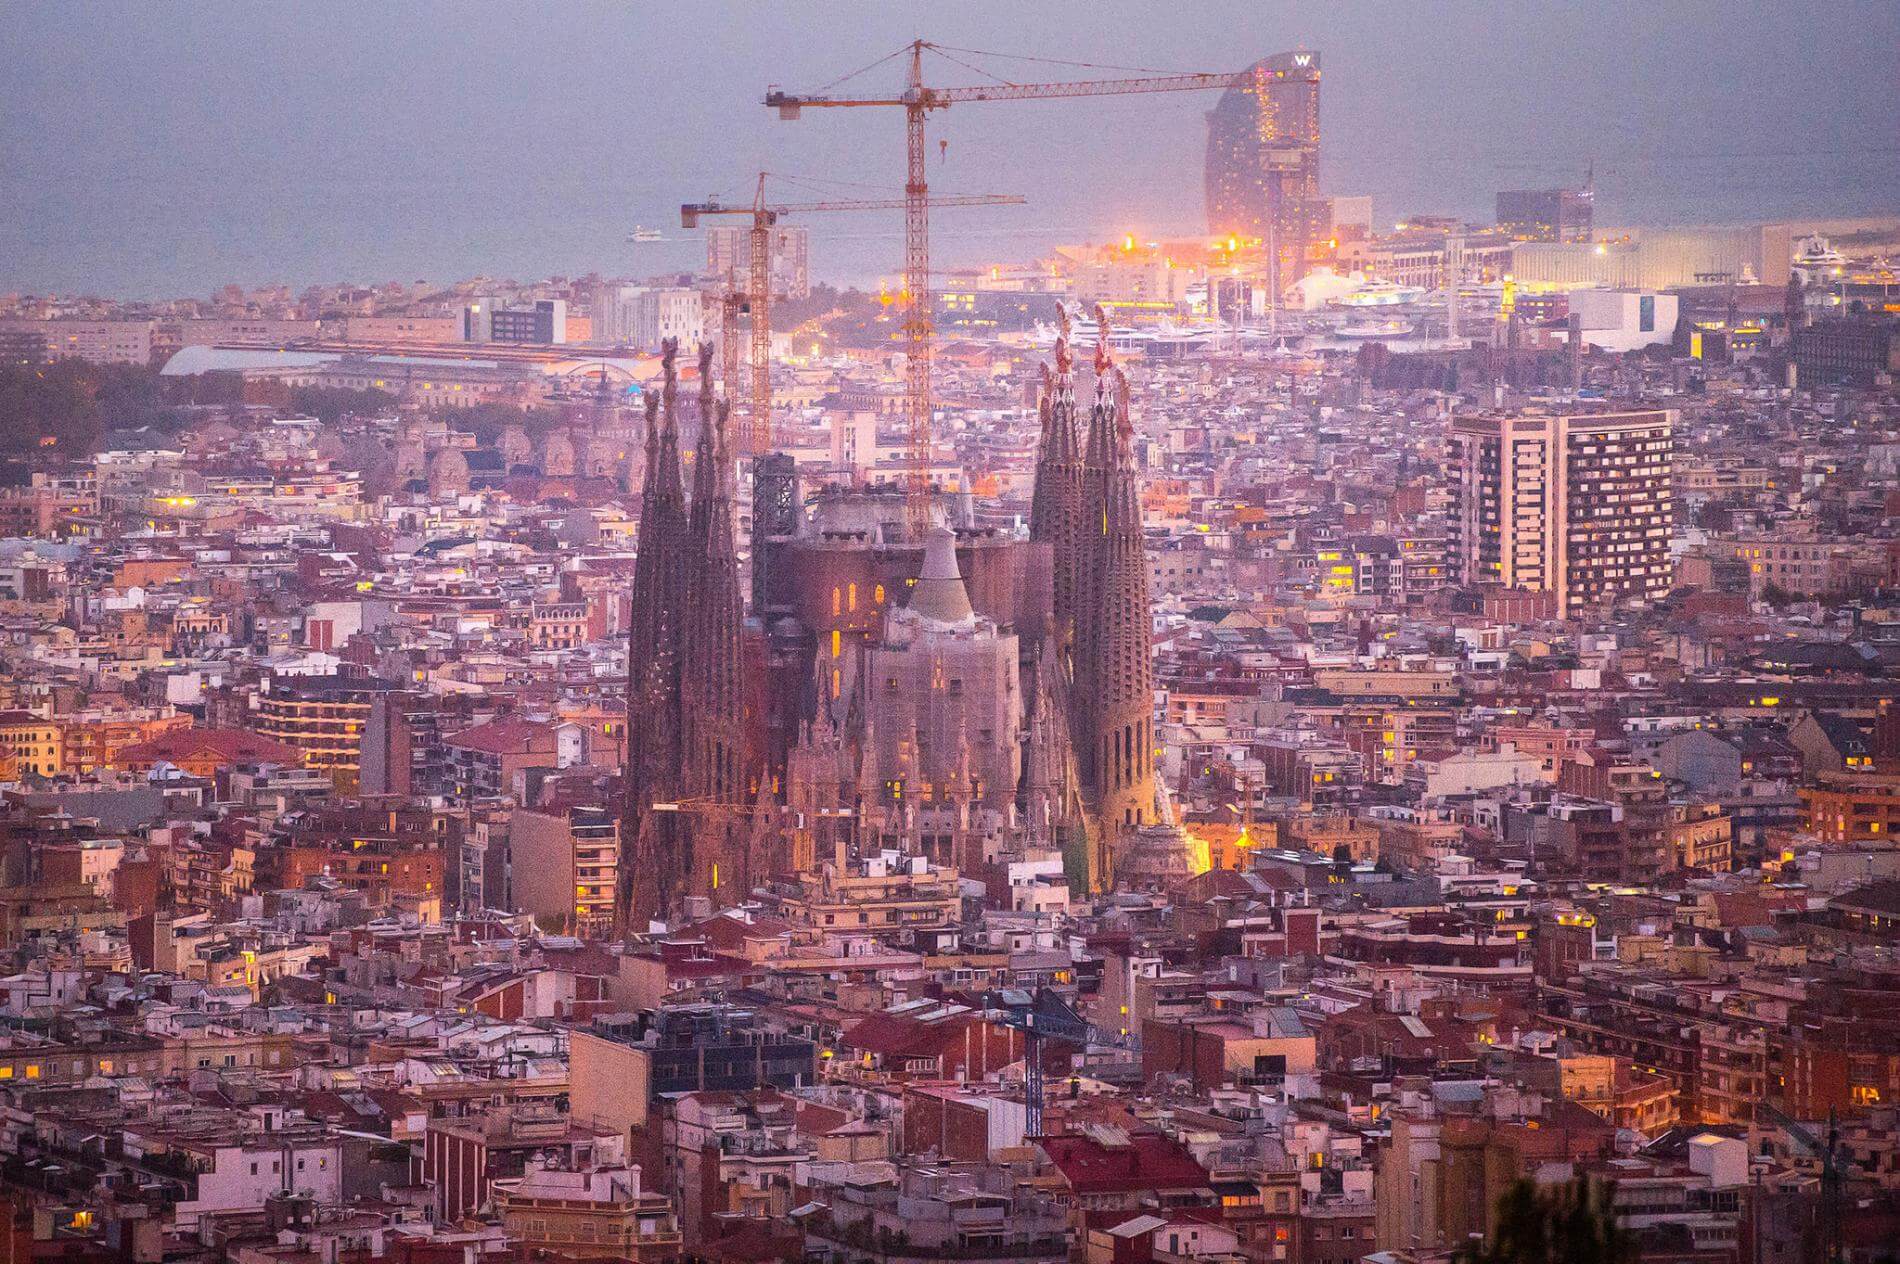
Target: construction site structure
1829, 1154
917, 100
755, 300
1044, 1016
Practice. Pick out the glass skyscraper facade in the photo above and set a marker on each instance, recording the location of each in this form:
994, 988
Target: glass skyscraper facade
1263, 160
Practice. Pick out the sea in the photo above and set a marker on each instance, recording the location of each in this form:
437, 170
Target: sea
442, 227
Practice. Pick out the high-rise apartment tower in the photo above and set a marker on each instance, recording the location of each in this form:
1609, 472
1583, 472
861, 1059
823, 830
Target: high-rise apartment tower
1579, 506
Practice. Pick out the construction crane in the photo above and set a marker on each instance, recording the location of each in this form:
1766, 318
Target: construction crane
1046, 1016
1828, 1154
917, 100
756, 298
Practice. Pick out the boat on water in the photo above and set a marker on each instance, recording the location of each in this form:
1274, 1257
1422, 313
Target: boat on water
642, 233
1376, 329
1379, 292
1082, 333
1816, 261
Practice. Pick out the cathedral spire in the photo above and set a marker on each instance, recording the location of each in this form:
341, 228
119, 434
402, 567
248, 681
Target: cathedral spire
653, 665
1055, 511
667, 485
1048, 759
712, 696
1113, 726
707, 479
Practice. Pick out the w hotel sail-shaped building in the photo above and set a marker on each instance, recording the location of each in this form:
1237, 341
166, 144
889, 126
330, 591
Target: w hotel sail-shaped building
1263, 159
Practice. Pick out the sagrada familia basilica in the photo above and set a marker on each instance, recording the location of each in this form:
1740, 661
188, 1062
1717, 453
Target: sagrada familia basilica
965, 694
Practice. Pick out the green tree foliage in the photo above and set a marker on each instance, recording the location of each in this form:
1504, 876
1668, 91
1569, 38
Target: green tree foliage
822, 301
1567, 1225
1075, 858
67, 405
328, 403
487, 420
850, 318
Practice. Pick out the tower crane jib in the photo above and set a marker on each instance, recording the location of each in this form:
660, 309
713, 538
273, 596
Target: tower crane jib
917, 100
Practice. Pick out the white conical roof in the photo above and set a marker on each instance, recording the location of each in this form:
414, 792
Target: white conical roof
940, 595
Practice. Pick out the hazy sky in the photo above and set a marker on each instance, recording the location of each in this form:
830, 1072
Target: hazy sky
159, 147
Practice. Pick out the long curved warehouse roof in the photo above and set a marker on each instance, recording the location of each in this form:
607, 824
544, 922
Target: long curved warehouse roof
190, 361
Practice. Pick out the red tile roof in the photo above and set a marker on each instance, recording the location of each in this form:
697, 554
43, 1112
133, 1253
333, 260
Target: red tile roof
725, 931
589, 959
1214, 883
1146, 1161
509, 735
228, 746
896, 1035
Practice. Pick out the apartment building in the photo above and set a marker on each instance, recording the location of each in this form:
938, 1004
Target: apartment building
1579, 506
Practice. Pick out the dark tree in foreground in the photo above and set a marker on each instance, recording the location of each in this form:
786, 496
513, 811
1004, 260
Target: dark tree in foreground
1559, 1226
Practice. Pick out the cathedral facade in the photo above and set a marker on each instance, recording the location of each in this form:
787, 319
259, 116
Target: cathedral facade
939, 701
689, 780
1089, 512
971, 696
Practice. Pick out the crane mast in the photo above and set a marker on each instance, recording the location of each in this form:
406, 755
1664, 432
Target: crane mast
917, 314
754, 299
918, 100
762, 437
759, 434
